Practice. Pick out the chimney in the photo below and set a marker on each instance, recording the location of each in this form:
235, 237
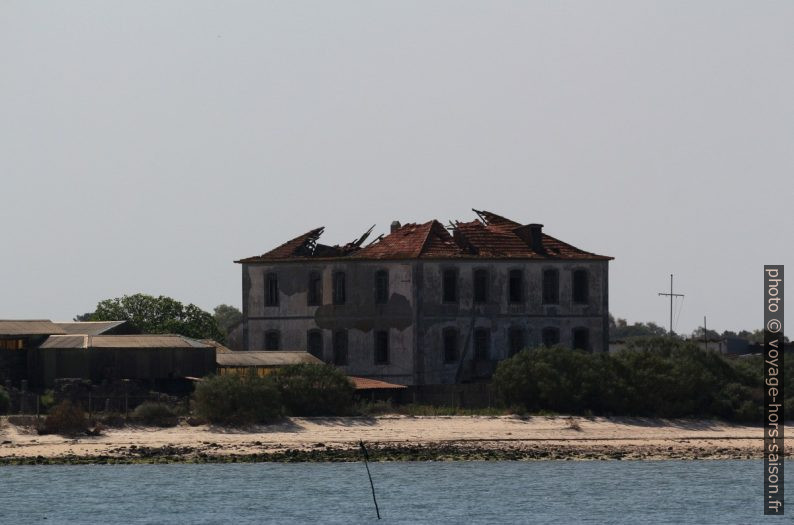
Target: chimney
532, 234
395, 225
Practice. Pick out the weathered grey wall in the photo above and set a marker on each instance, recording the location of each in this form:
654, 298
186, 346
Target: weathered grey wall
360, 315
416, 316
499, 315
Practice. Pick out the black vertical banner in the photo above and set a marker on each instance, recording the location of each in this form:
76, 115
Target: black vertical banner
773, 390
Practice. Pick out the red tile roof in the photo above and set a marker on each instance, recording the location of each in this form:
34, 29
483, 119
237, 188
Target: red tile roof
490, 237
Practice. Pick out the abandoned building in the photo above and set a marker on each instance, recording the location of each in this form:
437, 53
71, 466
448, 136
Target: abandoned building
426, 304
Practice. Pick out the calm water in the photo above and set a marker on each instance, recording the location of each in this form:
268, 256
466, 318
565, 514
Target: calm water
564, 492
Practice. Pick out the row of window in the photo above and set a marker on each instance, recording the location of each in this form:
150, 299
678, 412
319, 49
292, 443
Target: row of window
314, 295
550, 336
481, 284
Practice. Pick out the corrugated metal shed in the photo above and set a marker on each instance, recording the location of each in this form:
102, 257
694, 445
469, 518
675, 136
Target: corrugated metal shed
88, 327
267, 358
122, 341
29, 327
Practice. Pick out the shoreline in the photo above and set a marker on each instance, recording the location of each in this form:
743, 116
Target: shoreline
394, 438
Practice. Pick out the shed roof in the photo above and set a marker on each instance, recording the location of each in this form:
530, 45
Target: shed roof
29, 327
365, 383
122, 341
88, 327
490, 236
265, 358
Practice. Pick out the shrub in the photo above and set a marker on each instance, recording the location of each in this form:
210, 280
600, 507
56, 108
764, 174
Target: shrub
5, 400
314, 390
65, 418
233, 399
659, 377
155, 414
47, 399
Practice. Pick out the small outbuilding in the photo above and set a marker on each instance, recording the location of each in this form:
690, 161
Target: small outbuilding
262, 362
149, 357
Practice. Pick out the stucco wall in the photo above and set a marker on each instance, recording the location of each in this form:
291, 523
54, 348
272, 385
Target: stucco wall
360, 316
415, 315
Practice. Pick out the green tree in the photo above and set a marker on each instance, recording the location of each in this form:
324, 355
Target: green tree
159, 315
656, 376
621, 329
226, 317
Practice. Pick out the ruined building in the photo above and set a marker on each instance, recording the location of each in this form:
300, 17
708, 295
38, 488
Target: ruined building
426, 304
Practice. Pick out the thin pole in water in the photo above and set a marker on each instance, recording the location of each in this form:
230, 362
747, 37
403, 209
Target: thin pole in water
372, 485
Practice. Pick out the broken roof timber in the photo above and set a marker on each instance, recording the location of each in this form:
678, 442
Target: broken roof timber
490, 236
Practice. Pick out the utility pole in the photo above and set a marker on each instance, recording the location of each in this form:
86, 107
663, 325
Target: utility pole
671, 295
705, 331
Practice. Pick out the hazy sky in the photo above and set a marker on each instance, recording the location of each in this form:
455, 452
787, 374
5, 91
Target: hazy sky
146, 145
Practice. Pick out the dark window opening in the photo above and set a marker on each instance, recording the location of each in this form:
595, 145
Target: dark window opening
271, 295
580, 286
480, 286
315, 295
450, 285
339, 288
381, 287
314, 343
482, 344
551, 336
581, 339
450, 345
516, 286
340, 347
551, 287
516, 340
381, 347
272, 340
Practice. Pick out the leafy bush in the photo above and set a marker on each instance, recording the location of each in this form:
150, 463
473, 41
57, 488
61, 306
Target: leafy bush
5, 401
233, 399
314, 390
659, 377
65, 418
155, 414
47, 399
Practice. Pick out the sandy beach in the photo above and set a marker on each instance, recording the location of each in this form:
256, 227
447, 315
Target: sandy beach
394, 438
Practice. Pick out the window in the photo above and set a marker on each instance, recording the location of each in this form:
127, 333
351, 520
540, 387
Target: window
340, 347
272, 340
551, 336
482, 344
480, 286
516, 340
271, 290
381, 347
381, 287
580, 288
581, 339
314, 343
314, 297
450, 345
516, 287
339, 288
450, 285
551, 287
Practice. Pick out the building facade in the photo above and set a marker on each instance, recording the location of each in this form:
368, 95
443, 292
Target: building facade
427, 304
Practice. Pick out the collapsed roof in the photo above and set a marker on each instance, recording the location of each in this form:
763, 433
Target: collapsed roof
490, 236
